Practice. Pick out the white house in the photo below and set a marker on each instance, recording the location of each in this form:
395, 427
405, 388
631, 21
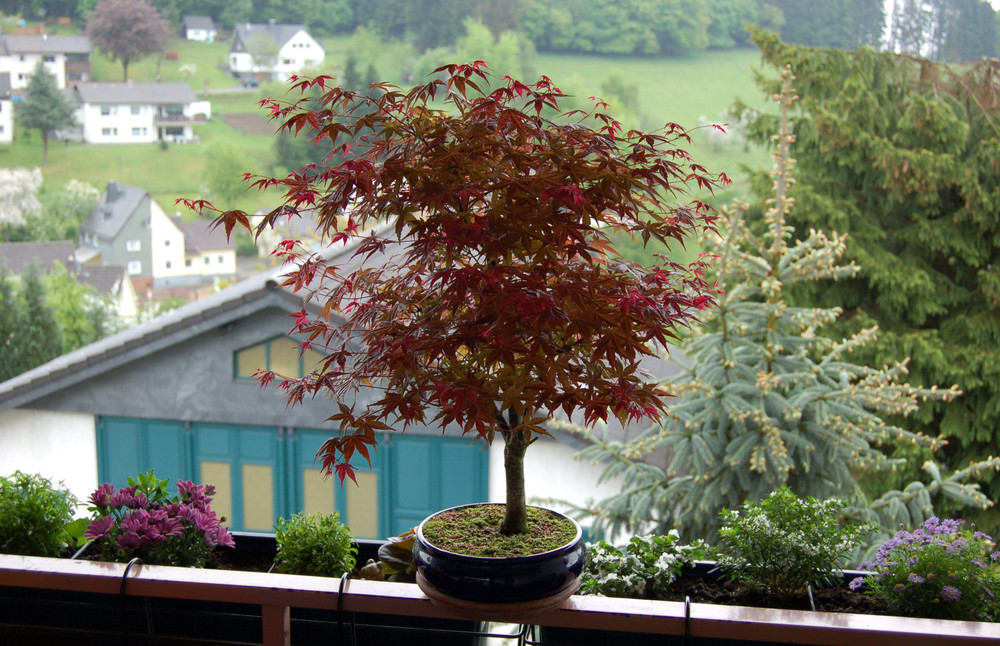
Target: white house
272, 51
128, 228
199, 28
65, 57
130, 113
6, 110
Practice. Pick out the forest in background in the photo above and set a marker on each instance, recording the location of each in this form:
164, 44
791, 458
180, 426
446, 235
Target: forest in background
953, 30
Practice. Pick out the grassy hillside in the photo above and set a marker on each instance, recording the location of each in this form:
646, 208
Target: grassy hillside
678, 90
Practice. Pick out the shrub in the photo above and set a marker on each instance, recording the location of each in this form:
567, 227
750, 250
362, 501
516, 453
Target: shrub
314, 544
33, 515
938, 570
783, 543
641, 569
142, 521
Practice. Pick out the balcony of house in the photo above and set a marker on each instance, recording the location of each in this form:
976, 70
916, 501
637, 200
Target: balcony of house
175, 116
78, 67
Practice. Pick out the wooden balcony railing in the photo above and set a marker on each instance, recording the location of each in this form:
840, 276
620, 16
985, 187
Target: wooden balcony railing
275, 594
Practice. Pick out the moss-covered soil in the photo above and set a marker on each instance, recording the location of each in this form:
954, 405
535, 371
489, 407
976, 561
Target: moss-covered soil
473, 531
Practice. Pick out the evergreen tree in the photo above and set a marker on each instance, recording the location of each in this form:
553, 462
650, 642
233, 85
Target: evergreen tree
901, 154
768, 401
44, 107
11, 326
41, 338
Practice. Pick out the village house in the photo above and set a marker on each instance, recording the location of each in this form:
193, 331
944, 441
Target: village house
128, 228
199, 28
67, 58
132, 113
272, 52
6, 109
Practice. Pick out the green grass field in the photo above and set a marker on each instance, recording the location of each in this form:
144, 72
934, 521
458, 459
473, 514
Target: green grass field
677, 90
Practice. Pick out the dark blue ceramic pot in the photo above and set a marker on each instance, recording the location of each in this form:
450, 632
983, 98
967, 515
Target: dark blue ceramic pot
500, 580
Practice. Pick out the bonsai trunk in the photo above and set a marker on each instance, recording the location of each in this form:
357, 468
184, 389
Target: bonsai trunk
515, 444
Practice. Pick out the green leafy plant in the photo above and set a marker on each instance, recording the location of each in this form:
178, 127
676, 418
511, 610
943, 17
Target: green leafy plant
938, 570
143, 521
314, 544
33, 515
784, 543
641, 569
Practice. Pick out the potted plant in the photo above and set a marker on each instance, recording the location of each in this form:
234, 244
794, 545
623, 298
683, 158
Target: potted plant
484, 290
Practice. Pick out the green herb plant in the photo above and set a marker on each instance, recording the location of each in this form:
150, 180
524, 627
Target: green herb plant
33, 515
314, 544
784, 543
938, 570
641, 569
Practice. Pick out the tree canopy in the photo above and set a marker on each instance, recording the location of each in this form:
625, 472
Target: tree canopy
901, 154
127, 30
495, 297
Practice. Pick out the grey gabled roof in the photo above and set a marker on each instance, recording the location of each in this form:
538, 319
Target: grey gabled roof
140, 341
16, 257
279, 33
43, 44
135, 93
116, 206
198, 22
201, 236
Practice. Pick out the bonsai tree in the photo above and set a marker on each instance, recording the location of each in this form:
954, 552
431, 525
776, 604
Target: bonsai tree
483, 290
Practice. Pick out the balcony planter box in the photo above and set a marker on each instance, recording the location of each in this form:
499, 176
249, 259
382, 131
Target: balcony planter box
278, 599
38, 615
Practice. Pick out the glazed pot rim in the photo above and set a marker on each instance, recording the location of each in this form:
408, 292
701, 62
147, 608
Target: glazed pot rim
485, 559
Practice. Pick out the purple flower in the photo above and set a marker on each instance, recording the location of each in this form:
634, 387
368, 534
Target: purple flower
856, 583
128, 541
99, 528
102, 495
950, 593
915, 578
899, 587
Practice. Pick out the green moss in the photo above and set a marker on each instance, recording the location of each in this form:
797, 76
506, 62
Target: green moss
473, 531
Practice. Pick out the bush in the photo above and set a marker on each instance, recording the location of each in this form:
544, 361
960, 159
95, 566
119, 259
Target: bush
142, 521
783, 543
314, 544
33, 515
642, 569
938, 570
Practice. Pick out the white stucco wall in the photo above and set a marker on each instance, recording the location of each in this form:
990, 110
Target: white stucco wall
21, 67
59, 446
6, 122
551, 472
167, 244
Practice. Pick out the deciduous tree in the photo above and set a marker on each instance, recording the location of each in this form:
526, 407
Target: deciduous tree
127, 30
496, 297
18, 197
44, 108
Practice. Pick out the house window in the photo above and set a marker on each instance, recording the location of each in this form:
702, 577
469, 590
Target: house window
187, 262
133, 245
139, 132
207, 260
221, 259
49, 58
166, 243
287, 61
168, 264
134, 267
108, 110
280, 354
136, 109
22, 77
109, 132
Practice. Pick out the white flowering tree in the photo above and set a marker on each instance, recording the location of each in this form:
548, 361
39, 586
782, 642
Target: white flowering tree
18, 197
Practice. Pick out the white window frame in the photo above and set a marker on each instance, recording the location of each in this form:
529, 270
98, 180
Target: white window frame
133, 245
134, 267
